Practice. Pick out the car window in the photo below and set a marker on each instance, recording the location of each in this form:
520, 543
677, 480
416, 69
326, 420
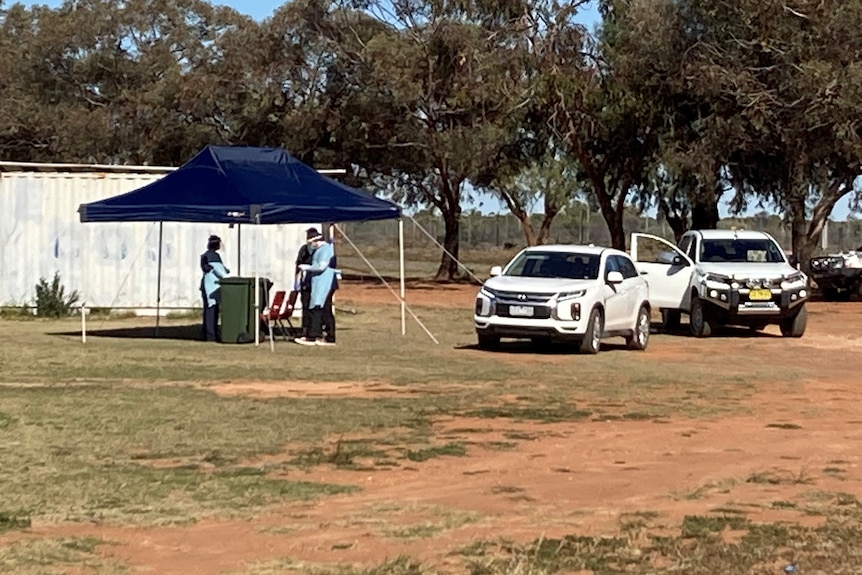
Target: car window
740, 251
611, 265
627, 268
691, 252
567, 265
685, 244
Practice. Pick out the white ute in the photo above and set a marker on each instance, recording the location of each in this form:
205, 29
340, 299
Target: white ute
723, 277
576, 294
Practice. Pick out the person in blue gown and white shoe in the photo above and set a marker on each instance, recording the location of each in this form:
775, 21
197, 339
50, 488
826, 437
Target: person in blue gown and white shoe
322, 279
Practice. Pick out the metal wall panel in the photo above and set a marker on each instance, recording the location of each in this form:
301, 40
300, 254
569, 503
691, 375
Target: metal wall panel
116, 264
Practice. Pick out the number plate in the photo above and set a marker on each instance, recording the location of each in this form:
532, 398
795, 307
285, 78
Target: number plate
520, 311
760, 295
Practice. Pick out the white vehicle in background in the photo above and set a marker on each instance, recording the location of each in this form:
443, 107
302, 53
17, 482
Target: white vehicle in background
567, 293
723, 277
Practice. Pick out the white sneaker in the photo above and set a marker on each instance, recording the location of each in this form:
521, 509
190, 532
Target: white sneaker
304, 341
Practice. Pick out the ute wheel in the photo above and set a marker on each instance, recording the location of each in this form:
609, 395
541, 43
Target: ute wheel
794, 326
592, 339
670, 319
488, 341
699, 320
640, 334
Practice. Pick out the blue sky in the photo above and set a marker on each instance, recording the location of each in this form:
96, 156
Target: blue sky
260, 9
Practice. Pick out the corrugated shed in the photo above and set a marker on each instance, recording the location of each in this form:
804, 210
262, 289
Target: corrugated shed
116, 264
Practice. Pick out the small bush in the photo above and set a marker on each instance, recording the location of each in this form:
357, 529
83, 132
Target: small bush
51, 299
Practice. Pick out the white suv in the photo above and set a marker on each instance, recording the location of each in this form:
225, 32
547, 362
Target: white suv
576, 294
723, 277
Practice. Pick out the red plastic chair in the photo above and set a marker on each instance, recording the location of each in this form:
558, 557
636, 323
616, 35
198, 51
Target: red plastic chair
280, 310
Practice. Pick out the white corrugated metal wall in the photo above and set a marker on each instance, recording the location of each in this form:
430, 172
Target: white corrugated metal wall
116, 264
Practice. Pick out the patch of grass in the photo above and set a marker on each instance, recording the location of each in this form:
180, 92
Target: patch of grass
500, 445
784, 425
780, 478
401, 565
445, 521
520, 436
541, 413
506, 489
342, 455
14, 521
42, 556
783, 505
831, 548
722, 486
835, 472
144, 454
699, 526
450, 449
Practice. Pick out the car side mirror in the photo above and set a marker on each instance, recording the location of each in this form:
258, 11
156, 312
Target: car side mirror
496, 271
615, 278
679, 261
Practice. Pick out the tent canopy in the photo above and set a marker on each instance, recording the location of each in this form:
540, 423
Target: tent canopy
227, 184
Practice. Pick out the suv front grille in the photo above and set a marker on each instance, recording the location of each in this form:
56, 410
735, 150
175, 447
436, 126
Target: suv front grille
522, 298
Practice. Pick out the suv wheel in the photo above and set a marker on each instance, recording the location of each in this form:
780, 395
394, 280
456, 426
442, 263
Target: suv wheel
640, 334
488, 341
795, 326
592, 339
699, 320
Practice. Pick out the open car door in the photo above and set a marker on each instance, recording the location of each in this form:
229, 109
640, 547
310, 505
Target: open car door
666, 268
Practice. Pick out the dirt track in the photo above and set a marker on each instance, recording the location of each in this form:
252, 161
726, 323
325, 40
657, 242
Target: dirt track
579, 477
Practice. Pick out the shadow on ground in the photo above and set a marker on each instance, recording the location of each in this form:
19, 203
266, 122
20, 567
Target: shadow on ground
176, 332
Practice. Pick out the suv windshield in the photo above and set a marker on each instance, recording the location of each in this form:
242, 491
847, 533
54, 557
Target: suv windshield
566, 265
741, 251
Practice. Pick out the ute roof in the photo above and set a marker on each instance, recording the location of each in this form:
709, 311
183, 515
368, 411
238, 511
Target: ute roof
741, 234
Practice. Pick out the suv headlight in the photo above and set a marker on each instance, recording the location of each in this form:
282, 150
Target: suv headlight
571, 294
488, 293
795, 277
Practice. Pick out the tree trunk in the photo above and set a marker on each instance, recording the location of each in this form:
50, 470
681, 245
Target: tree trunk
677, 221
517, 209
704, 210
527, 228
448, 269
613, 216
805, 236
545, 228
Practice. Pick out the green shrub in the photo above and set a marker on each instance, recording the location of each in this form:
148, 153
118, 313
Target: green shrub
51, 299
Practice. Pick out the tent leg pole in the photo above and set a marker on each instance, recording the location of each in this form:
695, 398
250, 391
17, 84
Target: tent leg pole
159, 283
83, 323
239, 250
256, 287
401, 273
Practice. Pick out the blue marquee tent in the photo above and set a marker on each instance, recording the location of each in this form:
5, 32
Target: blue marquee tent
225, 184
244, 185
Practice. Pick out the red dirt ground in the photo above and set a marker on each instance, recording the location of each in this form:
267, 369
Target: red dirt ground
578, 477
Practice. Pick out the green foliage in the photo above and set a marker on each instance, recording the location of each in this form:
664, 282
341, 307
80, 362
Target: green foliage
52, 300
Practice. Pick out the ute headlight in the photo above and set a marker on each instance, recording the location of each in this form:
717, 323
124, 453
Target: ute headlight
488, 293
719, 278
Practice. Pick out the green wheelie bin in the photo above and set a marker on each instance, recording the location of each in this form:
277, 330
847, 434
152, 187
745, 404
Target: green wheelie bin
239, 317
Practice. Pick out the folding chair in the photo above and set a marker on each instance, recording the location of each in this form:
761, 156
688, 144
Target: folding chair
279, 311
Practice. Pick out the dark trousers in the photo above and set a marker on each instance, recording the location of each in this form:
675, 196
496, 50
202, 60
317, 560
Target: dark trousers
315, 327
210, 324
305, 301
328, 317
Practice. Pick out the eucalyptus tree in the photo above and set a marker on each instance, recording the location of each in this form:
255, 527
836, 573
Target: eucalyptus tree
427, 99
